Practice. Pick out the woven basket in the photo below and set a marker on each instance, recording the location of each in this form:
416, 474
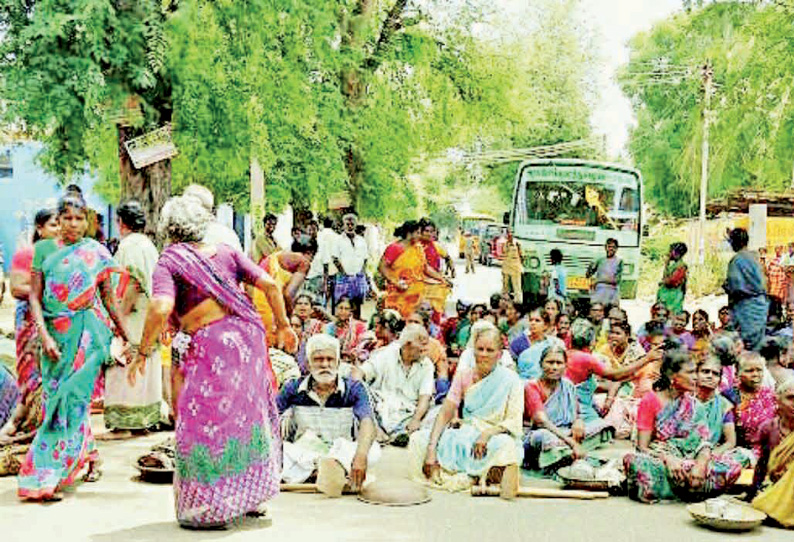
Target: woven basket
750, 518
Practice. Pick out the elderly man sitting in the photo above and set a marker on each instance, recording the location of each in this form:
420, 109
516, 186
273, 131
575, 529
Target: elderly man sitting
400, 376
325, 409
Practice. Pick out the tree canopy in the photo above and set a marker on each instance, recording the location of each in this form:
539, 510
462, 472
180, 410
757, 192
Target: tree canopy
749, 48
353, 95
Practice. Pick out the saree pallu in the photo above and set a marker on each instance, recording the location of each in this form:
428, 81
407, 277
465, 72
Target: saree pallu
409, 267
76, 321
681, 430
228, 447
28, 345
282, 277
719, 412
542, 448
495, 401
777, 501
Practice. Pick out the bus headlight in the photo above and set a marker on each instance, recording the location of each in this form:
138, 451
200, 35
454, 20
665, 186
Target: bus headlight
534, 262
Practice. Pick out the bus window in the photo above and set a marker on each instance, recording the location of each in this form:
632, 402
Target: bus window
629, 200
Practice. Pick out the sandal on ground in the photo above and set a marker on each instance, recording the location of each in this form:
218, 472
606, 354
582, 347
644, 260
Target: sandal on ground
93, 475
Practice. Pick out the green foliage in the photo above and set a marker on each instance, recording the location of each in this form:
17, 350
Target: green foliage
751, 138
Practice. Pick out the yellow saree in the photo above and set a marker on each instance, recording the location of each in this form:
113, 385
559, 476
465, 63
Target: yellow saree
282, 278
777, 501
409, 267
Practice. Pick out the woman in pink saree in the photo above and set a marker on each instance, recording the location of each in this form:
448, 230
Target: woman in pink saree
228, 446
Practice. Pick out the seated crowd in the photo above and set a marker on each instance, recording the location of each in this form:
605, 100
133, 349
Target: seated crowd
489, 390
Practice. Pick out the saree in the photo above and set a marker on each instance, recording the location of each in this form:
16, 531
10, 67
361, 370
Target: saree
746, 289
673, 287
282, 277
496, 401
752, 410
79, 325
679, 429
228, 445
135, 406
349, 335
777, 500
409, 265
719, 411
436, 294
542, 448
9, 394
28, 344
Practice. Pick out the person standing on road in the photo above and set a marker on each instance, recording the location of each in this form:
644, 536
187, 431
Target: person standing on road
672, 288
468, 251
350, 258
558, 284
72, 280
265, 244
512, 268
436, 294
607, 272
322, 270
746, 289
134, 408
778, 282
228, 444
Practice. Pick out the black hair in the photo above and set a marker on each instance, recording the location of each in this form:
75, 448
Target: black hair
307, 247
545, 316
738, 238
679, 248
345, 299
672, 362
555, 256
701, 312
685, 314
426, 222
73, 189
410, 226
269, 217
391, 320
131, 215
613, 241
328, 222
70, 200
361, 229
42, 217
654, 329
771, 348
296, 229
479, 306
625, 326
495, 300
308, 295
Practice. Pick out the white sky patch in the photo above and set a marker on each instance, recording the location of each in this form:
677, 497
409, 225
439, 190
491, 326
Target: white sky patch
614, 22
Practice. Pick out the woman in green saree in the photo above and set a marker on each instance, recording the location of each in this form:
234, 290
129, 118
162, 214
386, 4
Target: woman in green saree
70, 275
672, 288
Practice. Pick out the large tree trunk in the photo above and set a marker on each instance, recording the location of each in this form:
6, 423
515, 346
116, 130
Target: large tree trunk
151, 186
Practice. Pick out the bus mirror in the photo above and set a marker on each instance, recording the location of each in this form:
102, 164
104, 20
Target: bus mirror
506, 219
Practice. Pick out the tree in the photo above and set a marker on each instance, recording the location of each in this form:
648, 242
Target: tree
69, 70
752, 142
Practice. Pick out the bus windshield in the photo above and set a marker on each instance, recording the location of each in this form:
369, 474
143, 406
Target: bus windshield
576, 196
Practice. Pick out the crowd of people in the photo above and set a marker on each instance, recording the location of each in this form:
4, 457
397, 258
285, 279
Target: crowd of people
270, 374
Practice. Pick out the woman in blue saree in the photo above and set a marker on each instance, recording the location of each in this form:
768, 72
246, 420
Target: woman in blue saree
746, 289
70, 276
487, 445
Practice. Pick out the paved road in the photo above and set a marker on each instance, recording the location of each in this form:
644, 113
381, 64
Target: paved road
119, 508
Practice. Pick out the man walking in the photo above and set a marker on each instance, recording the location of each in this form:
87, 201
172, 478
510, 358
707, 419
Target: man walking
512, 268
265, 244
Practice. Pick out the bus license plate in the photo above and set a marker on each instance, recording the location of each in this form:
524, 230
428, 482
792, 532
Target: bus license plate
579, 283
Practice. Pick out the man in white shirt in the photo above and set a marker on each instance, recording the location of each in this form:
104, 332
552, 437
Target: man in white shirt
217, 233
322, 268
401, 380
350, 258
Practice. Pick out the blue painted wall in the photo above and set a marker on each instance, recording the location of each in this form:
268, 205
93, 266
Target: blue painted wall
26, 189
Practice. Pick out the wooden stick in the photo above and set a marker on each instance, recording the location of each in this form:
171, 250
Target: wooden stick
478, 491
307, 488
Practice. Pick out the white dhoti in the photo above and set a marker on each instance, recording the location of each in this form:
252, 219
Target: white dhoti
301, 457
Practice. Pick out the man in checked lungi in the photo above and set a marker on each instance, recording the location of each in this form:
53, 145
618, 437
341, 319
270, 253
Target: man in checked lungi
350, 258
328, 423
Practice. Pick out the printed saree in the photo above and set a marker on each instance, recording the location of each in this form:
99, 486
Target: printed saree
496, 401
79, 325
777, 500
719, 411
673, 288
680, 430
228, 445
28, 345
409, 266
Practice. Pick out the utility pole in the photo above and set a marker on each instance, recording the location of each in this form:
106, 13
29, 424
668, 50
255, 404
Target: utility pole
708, 81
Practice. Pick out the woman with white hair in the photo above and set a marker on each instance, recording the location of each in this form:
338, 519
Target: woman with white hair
216, 232
777, 461
467, 357
226, 401
487, 445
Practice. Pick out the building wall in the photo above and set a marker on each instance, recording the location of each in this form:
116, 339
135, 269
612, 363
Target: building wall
25, 188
